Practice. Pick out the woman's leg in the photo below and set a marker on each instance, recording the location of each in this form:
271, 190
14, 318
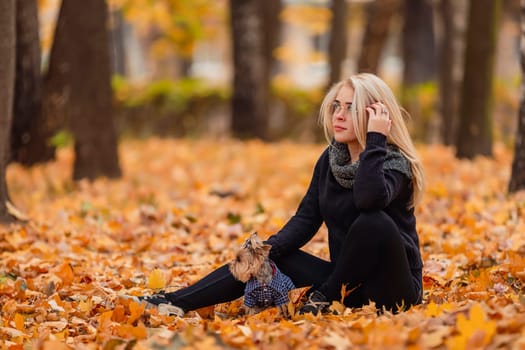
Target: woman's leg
373, 261
304, 269
217, 287
220, 286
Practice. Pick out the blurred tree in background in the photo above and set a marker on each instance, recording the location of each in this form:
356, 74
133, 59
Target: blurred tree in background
452, 16
7, 74
419, 63
379, 16
517, 178
79, 76
338, 40
250, 93
29, 138
476, 120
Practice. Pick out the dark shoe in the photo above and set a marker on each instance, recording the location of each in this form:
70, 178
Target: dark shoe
159, 302
316, 303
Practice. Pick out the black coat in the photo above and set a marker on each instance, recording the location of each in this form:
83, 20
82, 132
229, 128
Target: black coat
338, 207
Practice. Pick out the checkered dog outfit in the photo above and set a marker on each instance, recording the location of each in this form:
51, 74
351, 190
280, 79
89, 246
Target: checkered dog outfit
274, 293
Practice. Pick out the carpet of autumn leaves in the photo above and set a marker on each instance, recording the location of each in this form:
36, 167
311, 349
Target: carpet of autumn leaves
181, 209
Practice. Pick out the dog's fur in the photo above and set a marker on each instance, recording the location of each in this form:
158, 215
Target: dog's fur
252, 262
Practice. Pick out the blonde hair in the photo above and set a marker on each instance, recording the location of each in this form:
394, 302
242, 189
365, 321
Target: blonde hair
368, 89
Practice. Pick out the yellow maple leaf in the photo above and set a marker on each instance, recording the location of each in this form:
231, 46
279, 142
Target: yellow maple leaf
476, 328
85, 306
156, 279
434, 309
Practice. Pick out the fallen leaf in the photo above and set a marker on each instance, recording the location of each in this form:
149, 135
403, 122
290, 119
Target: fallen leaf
156, 279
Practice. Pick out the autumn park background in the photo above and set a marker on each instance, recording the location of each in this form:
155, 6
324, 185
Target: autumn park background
142, 141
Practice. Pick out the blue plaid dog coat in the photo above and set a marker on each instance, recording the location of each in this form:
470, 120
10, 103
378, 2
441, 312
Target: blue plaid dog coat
266, 295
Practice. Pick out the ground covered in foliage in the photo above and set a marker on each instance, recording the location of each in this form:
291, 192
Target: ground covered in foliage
180, 210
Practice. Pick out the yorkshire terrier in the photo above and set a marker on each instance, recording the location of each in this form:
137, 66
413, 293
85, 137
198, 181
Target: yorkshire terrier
266, 285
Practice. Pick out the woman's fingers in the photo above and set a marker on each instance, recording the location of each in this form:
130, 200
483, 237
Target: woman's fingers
379, 118
380, 110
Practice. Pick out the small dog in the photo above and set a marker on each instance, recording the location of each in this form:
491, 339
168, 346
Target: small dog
266, 286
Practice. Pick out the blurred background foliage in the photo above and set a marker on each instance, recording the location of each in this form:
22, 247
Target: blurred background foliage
172, 67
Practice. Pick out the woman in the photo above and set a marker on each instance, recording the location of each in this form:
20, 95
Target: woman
364, 188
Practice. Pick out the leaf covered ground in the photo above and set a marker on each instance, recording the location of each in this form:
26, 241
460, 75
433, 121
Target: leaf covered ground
181, 209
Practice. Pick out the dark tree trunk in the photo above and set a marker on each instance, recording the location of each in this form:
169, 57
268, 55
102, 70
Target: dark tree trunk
418, 43
79, 79
7, 80
249, 101
338, 40
446, 70
379, 15
453, 18
517, 178
30, 131
419, 56
475, 128
185, 66
117, 47
271, 33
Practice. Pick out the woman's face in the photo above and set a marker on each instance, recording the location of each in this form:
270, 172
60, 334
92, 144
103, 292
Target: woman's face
342, 124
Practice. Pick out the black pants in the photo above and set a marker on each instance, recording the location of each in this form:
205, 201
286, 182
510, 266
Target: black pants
372, 260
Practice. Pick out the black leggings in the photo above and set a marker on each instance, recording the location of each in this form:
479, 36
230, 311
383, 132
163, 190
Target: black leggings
372, 260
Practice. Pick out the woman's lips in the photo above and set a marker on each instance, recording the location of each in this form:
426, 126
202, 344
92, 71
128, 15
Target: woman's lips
339, 128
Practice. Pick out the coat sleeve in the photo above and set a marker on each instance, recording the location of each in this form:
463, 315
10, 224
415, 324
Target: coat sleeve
374, 187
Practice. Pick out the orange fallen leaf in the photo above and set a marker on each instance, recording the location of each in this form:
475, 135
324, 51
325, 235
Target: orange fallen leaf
65, 273
19, 322
129, 331
54, 345
136, 310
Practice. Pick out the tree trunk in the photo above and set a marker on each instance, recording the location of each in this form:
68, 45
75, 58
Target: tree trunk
379, 14
517, 178
79, 78
338, 40
418, 43
475, 129
271, 33
7, 74
30, 132
453, 20
419, 56
250, 95
118, 51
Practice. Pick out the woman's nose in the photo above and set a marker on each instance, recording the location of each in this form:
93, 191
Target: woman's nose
340, 115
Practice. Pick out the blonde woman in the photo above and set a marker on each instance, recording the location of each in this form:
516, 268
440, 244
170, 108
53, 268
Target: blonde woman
364, 188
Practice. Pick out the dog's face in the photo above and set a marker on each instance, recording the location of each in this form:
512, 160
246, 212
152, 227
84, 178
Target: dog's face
249, 258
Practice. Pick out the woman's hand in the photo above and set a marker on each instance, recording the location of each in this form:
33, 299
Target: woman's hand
379, 118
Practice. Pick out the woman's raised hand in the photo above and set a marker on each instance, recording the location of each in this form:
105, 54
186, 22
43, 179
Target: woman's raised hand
379, 118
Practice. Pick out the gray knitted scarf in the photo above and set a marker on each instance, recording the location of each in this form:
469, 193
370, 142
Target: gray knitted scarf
344, 171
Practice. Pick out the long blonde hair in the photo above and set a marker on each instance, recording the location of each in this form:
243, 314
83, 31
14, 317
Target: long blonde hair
368, 89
